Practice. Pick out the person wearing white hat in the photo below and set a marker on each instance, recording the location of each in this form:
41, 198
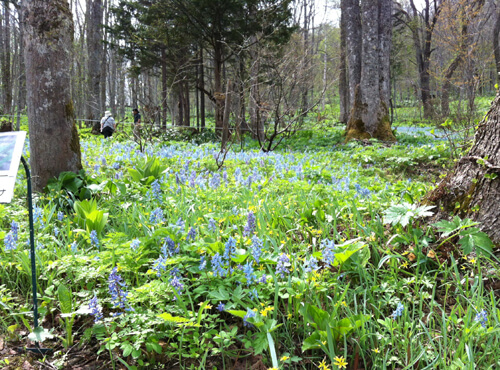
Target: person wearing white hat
107, 124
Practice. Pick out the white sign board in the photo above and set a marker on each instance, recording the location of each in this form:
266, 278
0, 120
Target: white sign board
11, 149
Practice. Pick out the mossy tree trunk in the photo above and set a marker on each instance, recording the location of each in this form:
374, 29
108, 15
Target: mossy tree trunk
48, 37
473, 188
369, 116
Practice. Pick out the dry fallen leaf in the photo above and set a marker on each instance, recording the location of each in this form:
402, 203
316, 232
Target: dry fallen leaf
412, 257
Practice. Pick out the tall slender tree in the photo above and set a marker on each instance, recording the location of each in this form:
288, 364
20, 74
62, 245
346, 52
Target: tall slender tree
48, 37
94, 55
370, 114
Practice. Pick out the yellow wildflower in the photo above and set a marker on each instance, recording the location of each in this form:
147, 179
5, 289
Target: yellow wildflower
323, 366
376, 350
284, 358
340, 362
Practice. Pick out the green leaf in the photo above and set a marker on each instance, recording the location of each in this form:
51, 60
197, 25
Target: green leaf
40, 334
172, 319
449, 227
403, 213
474, 239
65, 299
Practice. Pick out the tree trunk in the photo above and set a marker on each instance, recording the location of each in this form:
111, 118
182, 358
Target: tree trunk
473, 188
219, 96
104, 59
6, 72
201, 84
496, 45
343, 82
164, 86
48, 37
354, 44
370, 114
94, 42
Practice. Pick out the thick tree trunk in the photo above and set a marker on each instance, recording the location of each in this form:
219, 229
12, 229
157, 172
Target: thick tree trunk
343, 81
473, 189
370, 114
354, 44
48, 37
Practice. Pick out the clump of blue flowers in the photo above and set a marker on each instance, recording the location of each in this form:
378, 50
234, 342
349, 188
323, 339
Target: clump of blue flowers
398, 311
256, 249
281, 266
482, 317
250, 314
116, 285
94, 240
250, 226
156, 216
328, 251
95, 310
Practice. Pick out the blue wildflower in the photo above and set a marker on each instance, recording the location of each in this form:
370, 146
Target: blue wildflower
250, 314
283, 261
181, 223
159, 265
94, 241
221, 306
134, 244
155, 191
60, 216
249, 274
482, 317
191, 235
177, 285
95, 310
203, 263
169, 249
9, 241
115, 285
214, 181
14, 228
311, 265
217, 265
250, 226
253, 294
211, 225
399, 311
73, 247
230, 248
56, 231
156, 216
256, 248
328, 251
38, 216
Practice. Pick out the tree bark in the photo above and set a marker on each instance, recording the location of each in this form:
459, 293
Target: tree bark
94, 70
370, 114
354, 44
6, 72
343, 81
496, 45
473, 188
48, 37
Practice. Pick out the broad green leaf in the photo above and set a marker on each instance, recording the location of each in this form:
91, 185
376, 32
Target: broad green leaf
65, 299
172, 319
40, 334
